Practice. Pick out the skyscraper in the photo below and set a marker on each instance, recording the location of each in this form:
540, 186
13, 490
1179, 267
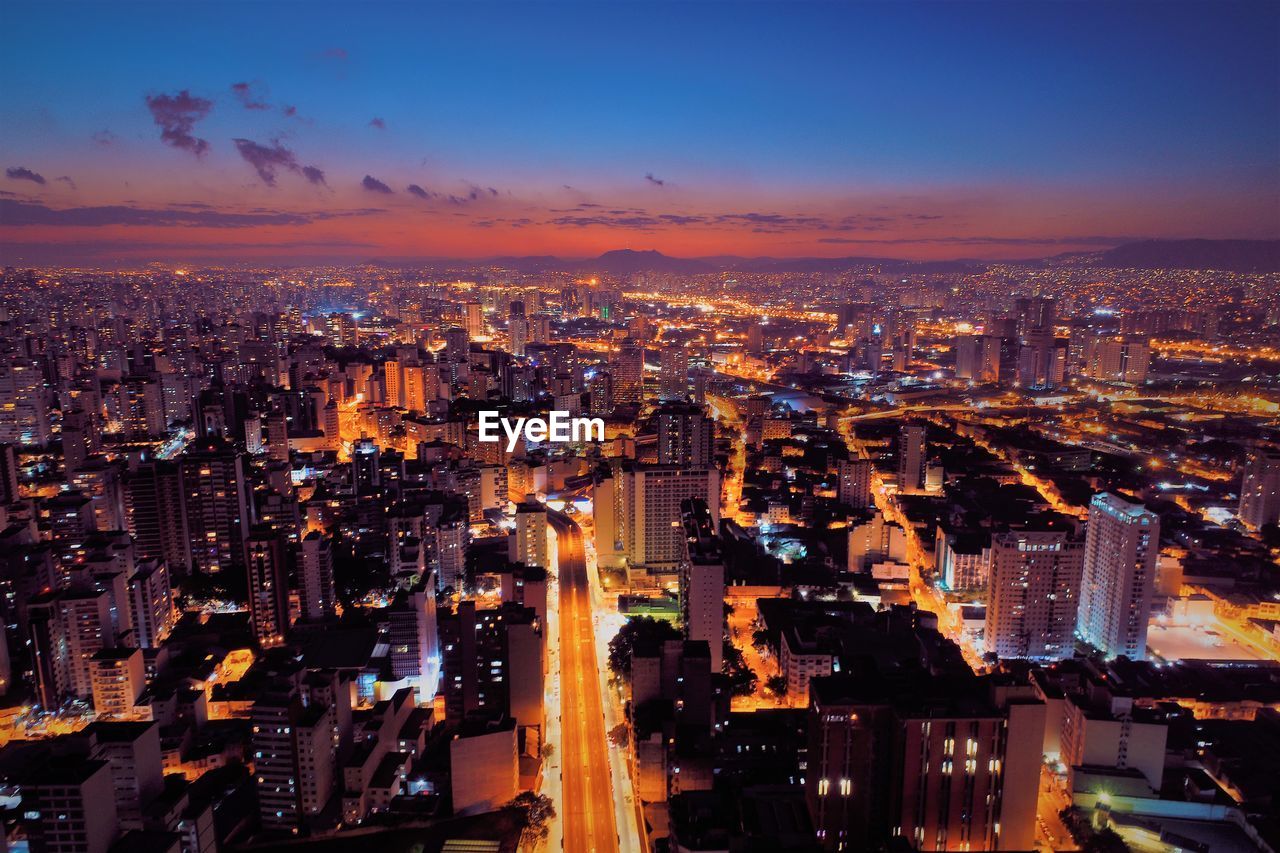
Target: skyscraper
1034, 594
268, 586
673, 372
530, 535
686, 436
216, 498
702, 580
628, 374
315, 587
1121, 549
912, 456
853, 486
1260, 489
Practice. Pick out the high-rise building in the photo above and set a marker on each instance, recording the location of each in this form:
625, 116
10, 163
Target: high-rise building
627, 369
531, 546
912, 458
927, 760
1034, 595
686, 436
151, 601
637, 512
492, 662
600, 401
415, 639
473, 319
1117, 359
293, 745
518, 329
216, 498
70, 803
853, 486
24, 401
673, 372
1122, 547
702, 580
315, 580
132, 750
268, 586
8, 474
118, 680
155, 514
1260, 489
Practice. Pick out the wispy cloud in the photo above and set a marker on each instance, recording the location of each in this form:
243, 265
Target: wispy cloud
177, 116
249, 99
22, 173
657, 182
24, 213
267, 160
374, 185
377, 123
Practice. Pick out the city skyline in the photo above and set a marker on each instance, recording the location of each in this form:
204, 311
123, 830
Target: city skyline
918, 131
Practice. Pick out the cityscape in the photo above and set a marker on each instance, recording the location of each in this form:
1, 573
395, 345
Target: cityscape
636, 427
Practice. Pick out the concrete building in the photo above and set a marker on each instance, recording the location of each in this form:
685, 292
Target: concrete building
702, 580
1260, 489
484, 765
1034, 594
1122, 547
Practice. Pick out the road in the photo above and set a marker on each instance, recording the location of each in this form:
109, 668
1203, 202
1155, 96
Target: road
588, 815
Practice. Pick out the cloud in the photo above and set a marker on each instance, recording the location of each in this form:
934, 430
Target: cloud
338, 53
657, 182
105, 138
374, 185
21, 173
249, 99
377, 123
268, 159
28, 213
289, 110
20, 213
314, 175
414, 189
177, 116
1092, 240
66, 179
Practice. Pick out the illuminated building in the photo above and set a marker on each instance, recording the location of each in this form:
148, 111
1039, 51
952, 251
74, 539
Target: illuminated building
673, 372
702, 580
1121, 549
315, 588
216, 505
1260, 489
912, 458
853, 486
1033, 597
268, 586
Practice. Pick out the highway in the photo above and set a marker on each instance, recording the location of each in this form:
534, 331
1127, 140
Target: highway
588, 813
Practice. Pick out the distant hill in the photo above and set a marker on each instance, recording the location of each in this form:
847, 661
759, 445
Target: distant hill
628, 261
1226, 255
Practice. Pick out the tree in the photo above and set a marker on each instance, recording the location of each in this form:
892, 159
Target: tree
760, 638
539, 811
777, 685
644, 630
742, 680
1106, 841
618, 735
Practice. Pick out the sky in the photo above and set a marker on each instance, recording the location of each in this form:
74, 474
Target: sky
296, 132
